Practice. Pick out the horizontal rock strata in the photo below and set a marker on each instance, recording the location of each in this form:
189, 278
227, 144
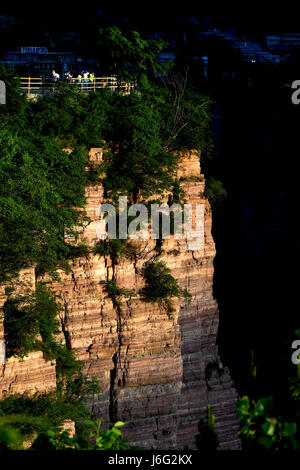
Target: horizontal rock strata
157, 372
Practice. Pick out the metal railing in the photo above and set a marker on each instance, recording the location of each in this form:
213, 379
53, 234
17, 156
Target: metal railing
40, 86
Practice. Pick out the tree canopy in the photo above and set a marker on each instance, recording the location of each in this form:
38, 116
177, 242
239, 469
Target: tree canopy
40, 188
128, 55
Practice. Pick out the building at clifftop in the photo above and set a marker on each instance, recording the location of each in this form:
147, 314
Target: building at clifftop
41, 61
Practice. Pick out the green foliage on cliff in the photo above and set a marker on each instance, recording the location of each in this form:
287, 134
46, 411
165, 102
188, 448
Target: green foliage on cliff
31, 415
40, 188
116, 293
215, 192
10, 439
91, 437
49, 411
26, 317
113, 248
271, 423
207, 439
262, 428
138, 164
161, 286
72, 117
16, 103
31, 323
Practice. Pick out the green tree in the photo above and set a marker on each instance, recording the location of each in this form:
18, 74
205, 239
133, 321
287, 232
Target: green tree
72, 117
91, 438
207, 439
161, 286
215, 192
40, 188
185, 113
268, 422
262, 428
137, 163
16, 103
128, 55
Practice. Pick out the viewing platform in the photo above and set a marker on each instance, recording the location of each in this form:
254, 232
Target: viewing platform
42, 86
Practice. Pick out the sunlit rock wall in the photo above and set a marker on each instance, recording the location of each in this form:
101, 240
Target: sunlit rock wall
157, 372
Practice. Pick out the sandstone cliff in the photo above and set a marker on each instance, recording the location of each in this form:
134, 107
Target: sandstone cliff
157, 373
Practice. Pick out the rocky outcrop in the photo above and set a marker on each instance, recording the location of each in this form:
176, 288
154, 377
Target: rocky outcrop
31, 373
157, 372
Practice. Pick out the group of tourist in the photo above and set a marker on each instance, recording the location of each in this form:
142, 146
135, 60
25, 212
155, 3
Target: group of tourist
82, 78
87, 80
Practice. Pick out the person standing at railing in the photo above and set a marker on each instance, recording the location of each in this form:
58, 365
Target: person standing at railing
79, 80
85, 78
68, 76
92, 77
55, 76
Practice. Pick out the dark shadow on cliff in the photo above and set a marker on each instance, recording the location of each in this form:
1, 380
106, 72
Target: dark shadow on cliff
255, 283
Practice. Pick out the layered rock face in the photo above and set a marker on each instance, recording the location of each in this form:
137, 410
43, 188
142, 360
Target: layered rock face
157, 372
31, 373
